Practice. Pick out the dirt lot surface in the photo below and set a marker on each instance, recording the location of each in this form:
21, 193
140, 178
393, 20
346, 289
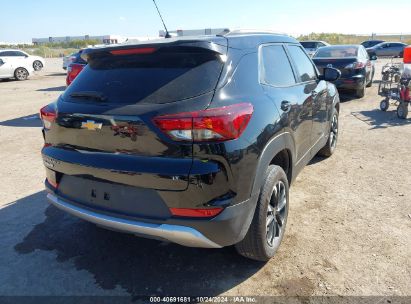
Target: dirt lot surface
349, 229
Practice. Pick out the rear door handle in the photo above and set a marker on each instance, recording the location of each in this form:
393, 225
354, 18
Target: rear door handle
285, 105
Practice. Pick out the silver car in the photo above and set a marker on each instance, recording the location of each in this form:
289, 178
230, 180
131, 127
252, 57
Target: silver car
391, 49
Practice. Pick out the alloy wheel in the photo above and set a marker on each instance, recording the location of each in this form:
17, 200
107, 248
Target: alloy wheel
276, 214
37, 65
334, 131
21, 74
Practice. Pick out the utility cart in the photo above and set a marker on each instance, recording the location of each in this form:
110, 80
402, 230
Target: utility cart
395, 85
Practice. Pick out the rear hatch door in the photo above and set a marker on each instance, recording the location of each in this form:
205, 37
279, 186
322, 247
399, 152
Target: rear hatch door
104, 125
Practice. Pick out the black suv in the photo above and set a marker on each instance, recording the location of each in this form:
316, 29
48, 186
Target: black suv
193, 140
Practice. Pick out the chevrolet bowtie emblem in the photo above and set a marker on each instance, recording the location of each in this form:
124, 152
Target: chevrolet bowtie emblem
91, 125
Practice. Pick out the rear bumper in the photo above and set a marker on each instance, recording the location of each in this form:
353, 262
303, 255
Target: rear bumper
227, 228
182, 235
351, 83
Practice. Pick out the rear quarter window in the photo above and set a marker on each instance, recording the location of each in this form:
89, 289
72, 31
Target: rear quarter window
305, 67
275, 67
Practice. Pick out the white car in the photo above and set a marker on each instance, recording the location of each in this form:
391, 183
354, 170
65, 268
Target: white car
312, 46
36, 62
15, 67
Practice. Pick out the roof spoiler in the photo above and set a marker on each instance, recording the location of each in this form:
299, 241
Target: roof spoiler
218, 46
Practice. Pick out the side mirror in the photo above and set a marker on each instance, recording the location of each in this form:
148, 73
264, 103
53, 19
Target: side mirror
373, 57
330, 74
1, 61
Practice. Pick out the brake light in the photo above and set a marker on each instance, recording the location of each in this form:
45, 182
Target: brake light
216, 124
72, 71
48, 115
187, 212
135, 51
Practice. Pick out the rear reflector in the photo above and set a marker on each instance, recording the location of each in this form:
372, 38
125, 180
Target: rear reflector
186, 212
53, 184
133, 51
48, 115
215, 124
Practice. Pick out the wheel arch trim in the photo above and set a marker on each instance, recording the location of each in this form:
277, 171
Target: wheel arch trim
283, 141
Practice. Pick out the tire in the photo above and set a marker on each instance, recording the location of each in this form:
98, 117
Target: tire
37, 65
384, 104
263, 240
331, 144
21, 74
402, 110
360, 93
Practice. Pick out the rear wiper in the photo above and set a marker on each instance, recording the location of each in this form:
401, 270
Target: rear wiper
89, 95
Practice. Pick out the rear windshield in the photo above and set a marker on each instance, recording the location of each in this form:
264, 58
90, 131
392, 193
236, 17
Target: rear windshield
337, 52
161, 77
309, 45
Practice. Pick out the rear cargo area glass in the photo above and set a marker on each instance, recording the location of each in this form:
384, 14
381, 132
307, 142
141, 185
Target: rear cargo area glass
161, 77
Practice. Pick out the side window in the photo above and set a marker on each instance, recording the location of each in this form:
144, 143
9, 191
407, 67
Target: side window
8, 53
19, 54
276, 68
304, 65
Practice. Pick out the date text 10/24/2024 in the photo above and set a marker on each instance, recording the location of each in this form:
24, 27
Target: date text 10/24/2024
233, 299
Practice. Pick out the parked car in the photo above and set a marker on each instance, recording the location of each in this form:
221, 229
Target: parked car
36, 62
13, 67
68, 59
75, 67
371, 43
312, 46
356, 66
391, 49
191, 140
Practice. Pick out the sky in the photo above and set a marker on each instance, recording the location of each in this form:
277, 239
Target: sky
25, 19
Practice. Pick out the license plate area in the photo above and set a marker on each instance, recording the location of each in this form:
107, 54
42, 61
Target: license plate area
112, 197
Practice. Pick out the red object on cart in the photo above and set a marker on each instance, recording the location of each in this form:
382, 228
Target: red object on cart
405, 93
407, 54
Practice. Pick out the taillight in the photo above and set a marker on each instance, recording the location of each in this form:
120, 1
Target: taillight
48, 115
216, 124
355, 65
188, 212
72, 71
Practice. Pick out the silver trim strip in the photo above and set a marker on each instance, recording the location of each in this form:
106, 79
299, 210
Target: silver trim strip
182, 235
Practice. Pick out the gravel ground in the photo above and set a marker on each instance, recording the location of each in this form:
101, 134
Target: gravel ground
349, 229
